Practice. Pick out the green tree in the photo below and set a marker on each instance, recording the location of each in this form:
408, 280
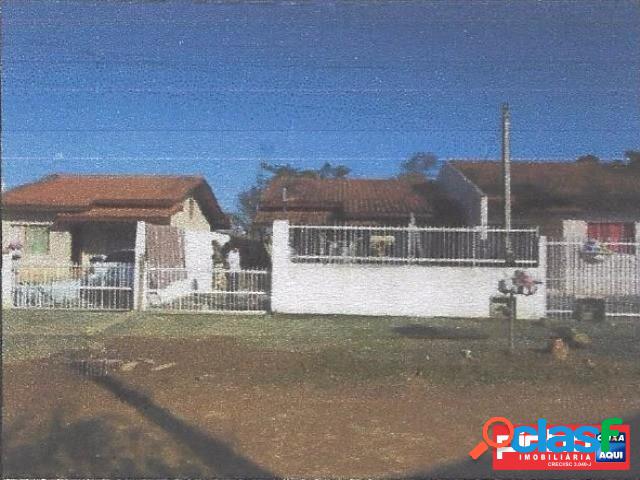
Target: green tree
331, 171
249, 199
419, 165
589, 158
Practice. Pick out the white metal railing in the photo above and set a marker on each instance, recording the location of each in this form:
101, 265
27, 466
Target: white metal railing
181, 289
577, 271
419, 245
96, 287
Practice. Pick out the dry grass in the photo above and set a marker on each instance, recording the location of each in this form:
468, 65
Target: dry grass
289, 395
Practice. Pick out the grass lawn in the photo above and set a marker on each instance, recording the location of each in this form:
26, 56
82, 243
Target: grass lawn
289, 395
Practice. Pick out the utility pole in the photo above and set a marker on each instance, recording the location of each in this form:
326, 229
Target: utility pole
506, 174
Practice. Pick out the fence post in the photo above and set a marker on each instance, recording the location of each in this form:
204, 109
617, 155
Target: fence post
8, 281
637, 252
541, 299
139, 283
280, 257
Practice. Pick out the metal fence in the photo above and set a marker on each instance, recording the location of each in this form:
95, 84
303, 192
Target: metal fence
180, 289
97, 287
417, 245
580, 276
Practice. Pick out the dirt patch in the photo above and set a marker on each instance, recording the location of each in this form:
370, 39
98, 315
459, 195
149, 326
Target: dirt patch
229, 409
441, 333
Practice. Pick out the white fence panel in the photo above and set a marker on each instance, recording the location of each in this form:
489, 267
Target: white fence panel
414, 245
181, 289
97, 287
576, 273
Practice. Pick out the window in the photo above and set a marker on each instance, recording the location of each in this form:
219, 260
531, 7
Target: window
192, 207
36, 239
613, 232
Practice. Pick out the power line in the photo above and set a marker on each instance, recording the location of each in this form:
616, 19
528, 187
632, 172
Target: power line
494, 158
423, 22
327, 91
307, 130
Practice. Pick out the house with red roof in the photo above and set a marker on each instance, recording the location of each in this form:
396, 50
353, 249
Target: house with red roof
580, 200
354, 201
71, 218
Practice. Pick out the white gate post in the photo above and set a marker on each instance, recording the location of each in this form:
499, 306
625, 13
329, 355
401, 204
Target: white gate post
541, 301
637, 247
8, 281
139, 276
280, 257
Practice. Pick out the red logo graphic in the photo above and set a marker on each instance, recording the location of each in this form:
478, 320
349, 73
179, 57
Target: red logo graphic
505, 457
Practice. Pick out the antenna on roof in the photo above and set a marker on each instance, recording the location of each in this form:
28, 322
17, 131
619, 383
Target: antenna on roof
506, 173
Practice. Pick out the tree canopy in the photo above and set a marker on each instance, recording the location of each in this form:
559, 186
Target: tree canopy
248, 199
419, 165
589, 158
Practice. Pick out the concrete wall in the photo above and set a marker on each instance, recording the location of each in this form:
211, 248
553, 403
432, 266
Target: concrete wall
198, 269
406, 290
473, 202
191, 218
7, 281
198, 259
574, 229
577, 229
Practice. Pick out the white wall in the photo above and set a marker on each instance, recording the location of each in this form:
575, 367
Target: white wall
191, 217
574, 229
7, 281
198, 258
408, 290
472, 200
140, 250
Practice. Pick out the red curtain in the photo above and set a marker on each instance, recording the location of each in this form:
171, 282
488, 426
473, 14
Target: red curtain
612, 232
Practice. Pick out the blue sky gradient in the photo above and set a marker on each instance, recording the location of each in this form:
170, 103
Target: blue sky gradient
214, 88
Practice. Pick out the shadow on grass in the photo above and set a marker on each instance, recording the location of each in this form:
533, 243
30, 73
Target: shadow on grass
101, 446
110, 446
215, 454
428, 332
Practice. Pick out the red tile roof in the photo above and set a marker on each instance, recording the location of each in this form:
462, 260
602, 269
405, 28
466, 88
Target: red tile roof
559, 185
316, 200
104, 197
294, 217
154, 215
570, 177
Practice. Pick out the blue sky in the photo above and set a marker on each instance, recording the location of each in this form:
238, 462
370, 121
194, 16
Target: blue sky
214, 88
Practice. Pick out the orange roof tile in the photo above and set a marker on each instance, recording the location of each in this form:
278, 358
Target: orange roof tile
98, 196
346, 199
559, 185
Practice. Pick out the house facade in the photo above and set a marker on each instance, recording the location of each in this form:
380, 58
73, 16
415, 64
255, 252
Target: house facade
342, 201
63, 219
577, 200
